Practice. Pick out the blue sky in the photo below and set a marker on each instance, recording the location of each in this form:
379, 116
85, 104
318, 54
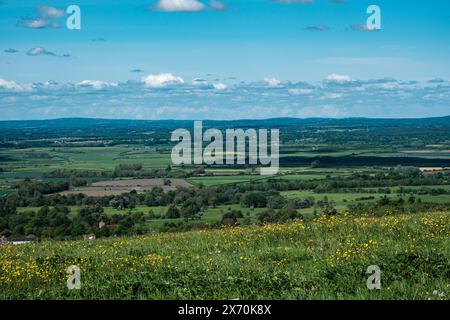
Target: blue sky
224, 59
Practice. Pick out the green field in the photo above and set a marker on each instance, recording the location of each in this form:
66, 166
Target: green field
323, 259
308, 232
209, 181
341, 153
210, 215
230, 176
33, 161
342, 200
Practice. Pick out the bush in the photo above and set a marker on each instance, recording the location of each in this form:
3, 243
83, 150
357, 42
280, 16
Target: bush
172, 212
231, 217
254, 200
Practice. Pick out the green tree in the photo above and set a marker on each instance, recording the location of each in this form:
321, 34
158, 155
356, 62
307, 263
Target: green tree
172, 212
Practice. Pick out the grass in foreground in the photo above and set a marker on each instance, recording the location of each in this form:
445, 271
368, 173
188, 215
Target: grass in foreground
323, 259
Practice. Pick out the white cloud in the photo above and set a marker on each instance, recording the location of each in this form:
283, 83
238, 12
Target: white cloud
332, 96
132, 99
94, 84
51, 12
54, 25
14, 86
219, 86
36, 23
389, 86
272, 82
39, 51
35, 51
217, 5
338, 78
300, 91
179, 6
161, 80
42, 21
362, 27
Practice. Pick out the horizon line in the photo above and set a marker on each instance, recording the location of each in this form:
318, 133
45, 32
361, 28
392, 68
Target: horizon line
228, 120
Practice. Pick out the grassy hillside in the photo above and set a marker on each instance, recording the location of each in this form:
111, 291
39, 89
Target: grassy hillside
323, 259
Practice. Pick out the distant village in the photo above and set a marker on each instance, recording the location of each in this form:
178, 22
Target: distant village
17, 241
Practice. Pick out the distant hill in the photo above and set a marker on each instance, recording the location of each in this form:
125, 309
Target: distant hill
90, 122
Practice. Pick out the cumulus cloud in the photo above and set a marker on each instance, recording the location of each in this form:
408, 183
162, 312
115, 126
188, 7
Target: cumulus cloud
436, 80
332, 96
33, 23
38, 23
362, 27
300, 91
272, 82
161, 80
338, 78
39, 51
49, 84
11, 50
51, 12
10, 85
178, 6
383, 80
219, 86
46, 13
217, 5
94, 84
169, 97
54, 25
388, 86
